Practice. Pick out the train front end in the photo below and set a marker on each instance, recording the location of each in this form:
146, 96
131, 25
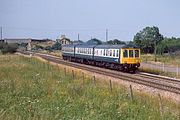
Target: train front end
130, 58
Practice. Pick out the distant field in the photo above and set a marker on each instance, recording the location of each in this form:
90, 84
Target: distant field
31, 89
55, 53
167, 59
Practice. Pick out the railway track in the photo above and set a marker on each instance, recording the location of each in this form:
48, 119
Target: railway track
155, 81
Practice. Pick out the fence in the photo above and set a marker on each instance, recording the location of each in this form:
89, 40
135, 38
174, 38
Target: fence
162, 67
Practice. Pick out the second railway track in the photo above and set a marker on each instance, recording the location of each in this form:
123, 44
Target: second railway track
162, 83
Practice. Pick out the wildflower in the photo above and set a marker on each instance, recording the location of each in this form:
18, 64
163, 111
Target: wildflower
37, 74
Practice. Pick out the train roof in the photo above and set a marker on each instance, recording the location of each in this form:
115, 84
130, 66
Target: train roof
109, 46
115, 46
69, 45
85, 46
100, 46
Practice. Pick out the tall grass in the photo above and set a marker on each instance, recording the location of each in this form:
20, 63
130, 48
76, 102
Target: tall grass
167, 59
31, 89
159, 72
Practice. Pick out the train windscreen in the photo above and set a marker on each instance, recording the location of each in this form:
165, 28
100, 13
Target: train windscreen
136, 53
131, 53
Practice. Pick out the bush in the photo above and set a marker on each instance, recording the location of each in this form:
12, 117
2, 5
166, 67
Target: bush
56, 46
48, 48
1, 45
8, 47
38, 47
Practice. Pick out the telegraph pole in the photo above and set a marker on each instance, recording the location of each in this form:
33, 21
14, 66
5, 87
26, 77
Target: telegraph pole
1, 33
106, 35
155, 50
78, 36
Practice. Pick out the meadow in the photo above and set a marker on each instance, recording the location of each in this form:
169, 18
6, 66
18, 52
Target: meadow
32, 89
166, 59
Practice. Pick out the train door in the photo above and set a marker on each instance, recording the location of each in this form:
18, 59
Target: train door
124, 56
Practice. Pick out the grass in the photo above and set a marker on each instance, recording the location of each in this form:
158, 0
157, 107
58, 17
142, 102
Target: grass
172, 60
31, 89
159, 72
54, 52
167, 59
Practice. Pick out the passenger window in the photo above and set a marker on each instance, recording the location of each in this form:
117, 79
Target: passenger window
110, 52
101, 52
104, 52
125, 53
131, 53
113, 53
136, 53
117, 53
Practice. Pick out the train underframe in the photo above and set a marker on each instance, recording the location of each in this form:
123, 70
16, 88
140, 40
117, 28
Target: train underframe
115, 66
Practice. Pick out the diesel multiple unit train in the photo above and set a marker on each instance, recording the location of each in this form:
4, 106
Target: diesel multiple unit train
119, 57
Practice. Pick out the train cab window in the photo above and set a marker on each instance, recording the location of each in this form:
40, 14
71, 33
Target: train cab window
131, 53
136, 53
113, 53
125, 53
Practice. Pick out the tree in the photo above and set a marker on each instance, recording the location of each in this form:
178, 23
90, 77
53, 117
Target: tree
2, 44
169, 45
9, 48
56, 46
115, 42
94, 41
148, 39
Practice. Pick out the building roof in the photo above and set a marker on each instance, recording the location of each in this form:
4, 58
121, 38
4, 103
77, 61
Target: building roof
27, 39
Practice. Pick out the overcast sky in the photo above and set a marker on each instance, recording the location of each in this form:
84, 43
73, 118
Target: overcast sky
89, 18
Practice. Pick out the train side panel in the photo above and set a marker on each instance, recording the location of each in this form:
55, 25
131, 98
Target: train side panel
84, 52
119, 57
109, 55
